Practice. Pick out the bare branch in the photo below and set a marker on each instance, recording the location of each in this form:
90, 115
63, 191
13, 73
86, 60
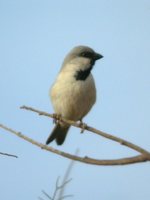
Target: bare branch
7, 154
123, 161
66, 196
40, 198
91, 129
66, 177
57, 188
45, 193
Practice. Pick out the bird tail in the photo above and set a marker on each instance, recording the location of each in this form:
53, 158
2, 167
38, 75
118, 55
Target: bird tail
59, 134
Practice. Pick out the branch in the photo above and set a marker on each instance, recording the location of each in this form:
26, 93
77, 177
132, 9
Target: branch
57, 188
91, 129
66, 177
123, 161
7, 154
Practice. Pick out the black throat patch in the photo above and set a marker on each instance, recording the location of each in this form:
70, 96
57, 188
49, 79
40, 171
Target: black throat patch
81, 75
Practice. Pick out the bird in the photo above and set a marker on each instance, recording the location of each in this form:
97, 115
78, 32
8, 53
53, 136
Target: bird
73, 93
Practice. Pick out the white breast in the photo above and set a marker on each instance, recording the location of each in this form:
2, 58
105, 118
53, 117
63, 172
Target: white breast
70, 98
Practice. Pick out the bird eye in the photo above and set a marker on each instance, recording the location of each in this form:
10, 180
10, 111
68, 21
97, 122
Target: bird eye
86, 54
83, 54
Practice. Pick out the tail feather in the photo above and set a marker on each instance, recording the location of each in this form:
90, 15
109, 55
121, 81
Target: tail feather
59, 134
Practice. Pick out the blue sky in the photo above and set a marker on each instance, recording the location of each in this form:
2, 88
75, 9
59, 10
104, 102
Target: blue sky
34, 38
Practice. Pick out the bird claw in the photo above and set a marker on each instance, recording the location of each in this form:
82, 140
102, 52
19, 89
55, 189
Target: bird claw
83, 126
56, 118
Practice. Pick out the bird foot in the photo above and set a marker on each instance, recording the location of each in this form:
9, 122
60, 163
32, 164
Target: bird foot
56, 118
83, 126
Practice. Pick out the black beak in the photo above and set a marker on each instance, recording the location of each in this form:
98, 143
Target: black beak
98, 56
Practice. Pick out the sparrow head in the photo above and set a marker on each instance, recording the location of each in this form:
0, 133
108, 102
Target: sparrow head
82, 55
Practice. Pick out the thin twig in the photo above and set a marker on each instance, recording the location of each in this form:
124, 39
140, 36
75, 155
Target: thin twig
40, 198
66, 177
47, 195
122, 161
91, 129
66, 196
7, 154
64, 183
57, 188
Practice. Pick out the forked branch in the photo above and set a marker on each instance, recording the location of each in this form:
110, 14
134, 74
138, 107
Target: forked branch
143, 157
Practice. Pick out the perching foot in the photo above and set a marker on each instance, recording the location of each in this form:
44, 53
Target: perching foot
83, 126
57, 118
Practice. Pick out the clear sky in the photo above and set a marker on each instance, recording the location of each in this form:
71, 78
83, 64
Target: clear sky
35, 36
